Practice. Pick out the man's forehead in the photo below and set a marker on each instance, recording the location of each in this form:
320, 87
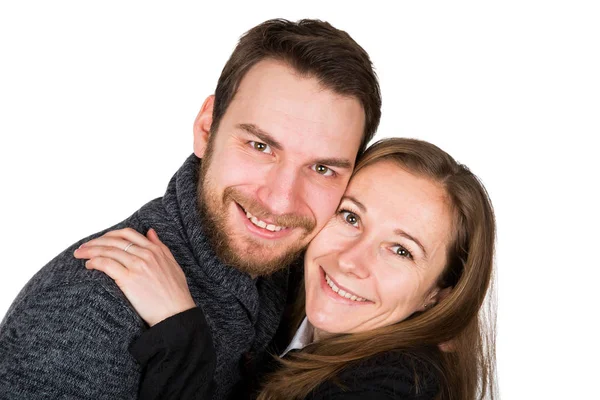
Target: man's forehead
276, 85
340, 124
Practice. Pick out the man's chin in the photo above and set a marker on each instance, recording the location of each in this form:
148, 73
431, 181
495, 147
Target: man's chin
237, 247
256, 268
257, 263
258, 260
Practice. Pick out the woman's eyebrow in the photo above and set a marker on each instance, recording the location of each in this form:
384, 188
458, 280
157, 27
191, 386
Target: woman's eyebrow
400, 232
358, 203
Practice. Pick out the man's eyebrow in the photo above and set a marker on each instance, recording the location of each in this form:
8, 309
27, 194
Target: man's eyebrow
260, 134
266, 138
400, 232
335, 162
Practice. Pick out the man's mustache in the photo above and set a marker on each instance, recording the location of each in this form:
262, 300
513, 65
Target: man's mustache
257, 209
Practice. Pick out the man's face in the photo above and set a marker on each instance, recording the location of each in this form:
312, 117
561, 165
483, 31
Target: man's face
275, 171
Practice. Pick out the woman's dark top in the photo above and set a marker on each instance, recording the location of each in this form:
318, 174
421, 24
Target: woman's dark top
179, 361
177, 358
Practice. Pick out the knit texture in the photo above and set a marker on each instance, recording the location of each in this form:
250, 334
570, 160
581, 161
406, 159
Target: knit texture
67, 333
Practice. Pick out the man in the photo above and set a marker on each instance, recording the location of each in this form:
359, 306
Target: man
294, 105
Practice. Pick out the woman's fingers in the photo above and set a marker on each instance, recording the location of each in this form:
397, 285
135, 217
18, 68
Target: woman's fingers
121, 238
130, 236
146, 272
154, 239
109, 266
107, 241
128, 247
128, 259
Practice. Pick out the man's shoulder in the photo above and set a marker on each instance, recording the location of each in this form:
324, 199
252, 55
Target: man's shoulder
65, 285
65, 282
67, 334
65, 271
69, 337
79, 286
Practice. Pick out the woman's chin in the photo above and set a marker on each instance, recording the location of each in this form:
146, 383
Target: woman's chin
327, 323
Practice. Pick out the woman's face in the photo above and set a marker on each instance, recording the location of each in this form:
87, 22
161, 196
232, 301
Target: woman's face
378, 259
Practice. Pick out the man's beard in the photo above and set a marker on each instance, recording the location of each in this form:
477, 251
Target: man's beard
244, 253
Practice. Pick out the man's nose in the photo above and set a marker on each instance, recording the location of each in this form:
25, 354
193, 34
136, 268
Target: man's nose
282, 191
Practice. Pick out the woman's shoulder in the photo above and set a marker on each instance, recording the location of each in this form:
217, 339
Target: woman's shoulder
390, 375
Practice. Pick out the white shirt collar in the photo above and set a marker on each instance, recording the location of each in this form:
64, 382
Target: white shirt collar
303, 337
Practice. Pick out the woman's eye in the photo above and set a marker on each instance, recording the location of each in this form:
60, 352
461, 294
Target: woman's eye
262, 147
401, 251
322, 170
350, 218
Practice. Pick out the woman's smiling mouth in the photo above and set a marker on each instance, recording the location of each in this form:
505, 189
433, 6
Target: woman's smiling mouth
343, 293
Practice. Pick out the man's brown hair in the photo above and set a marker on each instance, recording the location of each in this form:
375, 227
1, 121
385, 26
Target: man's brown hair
312, 48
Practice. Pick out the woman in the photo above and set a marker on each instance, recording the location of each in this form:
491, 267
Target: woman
394, 287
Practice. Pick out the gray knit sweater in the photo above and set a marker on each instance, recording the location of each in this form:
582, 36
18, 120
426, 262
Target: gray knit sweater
66, 336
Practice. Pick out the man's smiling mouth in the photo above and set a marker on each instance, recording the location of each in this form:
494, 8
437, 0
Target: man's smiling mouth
262, 224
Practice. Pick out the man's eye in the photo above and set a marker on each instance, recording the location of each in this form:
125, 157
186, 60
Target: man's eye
322, 170
350, 218
262, 147
401, 251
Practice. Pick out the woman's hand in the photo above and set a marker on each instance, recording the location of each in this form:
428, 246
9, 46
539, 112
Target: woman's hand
144, 269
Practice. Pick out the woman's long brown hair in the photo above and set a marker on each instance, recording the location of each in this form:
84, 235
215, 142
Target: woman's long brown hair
459, 326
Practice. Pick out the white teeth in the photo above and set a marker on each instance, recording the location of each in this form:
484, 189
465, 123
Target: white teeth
342, 292
263, 224
331, 284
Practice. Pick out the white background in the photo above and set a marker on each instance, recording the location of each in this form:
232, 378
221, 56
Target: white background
97, 101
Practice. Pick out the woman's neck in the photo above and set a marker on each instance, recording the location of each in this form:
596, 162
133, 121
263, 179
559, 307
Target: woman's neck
319, 334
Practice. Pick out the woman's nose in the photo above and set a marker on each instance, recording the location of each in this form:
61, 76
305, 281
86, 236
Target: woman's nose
353, 259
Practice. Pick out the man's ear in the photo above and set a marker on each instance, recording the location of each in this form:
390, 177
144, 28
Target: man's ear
202, 126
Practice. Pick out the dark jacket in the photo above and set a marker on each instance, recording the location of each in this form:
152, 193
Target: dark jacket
177, 356
67, 333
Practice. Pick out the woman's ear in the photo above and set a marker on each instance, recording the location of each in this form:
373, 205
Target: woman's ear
443, 293
435, 297
202, 126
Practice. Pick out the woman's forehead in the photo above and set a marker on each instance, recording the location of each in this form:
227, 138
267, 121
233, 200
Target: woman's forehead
396, 196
